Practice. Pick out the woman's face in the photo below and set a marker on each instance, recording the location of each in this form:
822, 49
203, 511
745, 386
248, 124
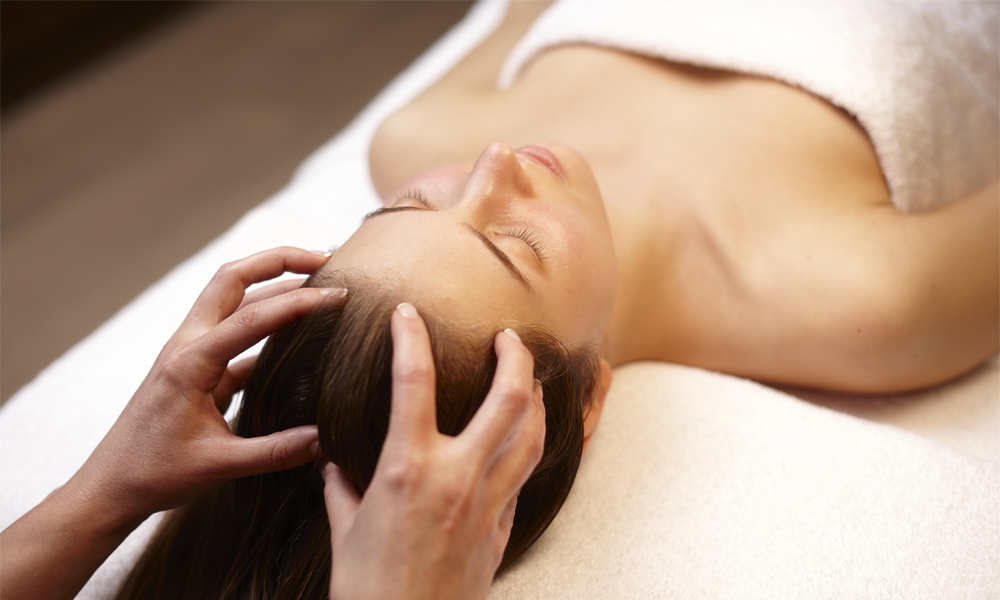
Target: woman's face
516, 237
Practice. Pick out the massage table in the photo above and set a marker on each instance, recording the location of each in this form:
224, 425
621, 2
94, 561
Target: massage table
695, 485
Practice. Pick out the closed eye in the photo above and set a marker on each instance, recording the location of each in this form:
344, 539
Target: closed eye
521, 233
413, 194
407, 194
529, 239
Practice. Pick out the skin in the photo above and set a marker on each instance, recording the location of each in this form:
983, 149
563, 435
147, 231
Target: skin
139, 468
423, 246
750, 224
745, 227
428, 245
436, 517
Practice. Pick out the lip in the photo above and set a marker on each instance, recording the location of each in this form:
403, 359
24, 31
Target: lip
545, 158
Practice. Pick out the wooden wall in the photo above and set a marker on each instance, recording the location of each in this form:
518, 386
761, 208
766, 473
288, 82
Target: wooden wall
123, 168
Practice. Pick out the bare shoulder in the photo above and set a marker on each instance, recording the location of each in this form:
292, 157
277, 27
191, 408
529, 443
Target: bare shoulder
435, 121
866, 299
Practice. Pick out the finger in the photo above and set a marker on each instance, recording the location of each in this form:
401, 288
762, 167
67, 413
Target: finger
507, 517
522, 452
272, 290
341, 502
232, 381
275, 452
225, 291
505, 525
253, 323
413, 416
507, 402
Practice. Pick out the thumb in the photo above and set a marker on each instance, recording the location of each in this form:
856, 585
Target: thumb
276, 452
341, 502
507, 521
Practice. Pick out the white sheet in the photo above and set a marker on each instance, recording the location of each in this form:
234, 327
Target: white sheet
696, 484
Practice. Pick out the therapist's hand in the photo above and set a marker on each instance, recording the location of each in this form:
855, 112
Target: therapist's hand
171, 443
437, 515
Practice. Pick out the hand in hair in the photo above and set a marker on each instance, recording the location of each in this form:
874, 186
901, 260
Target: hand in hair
171, 443
436, 517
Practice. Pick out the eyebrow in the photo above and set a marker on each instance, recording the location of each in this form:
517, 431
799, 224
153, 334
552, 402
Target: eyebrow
500, 254
383, 211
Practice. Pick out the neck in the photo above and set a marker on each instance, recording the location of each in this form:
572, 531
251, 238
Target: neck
644, 250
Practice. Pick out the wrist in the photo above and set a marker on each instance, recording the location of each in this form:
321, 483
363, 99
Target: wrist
100, 509
52, 551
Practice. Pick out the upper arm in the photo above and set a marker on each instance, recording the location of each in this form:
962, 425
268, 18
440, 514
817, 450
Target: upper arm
867, 299
951, 279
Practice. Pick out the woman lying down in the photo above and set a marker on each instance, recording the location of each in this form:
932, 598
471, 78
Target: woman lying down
633, 209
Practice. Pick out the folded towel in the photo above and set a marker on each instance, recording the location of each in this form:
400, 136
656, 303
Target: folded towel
695, 485
922, 78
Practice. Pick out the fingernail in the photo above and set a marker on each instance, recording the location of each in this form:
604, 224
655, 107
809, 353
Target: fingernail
407, 310
512, 334
538, 387
333, 291
314, 449
323, 253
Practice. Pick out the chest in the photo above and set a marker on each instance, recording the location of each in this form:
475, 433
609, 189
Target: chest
651, 130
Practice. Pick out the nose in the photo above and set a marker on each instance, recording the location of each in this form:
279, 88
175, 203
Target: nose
498, 175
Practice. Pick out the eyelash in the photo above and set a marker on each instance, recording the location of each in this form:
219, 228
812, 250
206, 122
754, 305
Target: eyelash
525, 236
414, 194
522, 234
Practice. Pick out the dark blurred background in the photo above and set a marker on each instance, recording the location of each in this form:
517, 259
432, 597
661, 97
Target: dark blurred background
42, 42
133, 133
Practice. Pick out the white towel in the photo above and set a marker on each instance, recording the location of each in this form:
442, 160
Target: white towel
695, 485
700, 485
922, 78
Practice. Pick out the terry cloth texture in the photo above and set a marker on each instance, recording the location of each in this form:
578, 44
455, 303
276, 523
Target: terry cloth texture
695, 484
922, 78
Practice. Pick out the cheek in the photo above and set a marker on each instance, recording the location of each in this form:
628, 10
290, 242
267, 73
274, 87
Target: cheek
583, 276
584, 246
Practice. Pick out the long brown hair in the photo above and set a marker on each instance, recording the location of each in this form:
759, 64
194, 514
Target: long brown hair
267, 536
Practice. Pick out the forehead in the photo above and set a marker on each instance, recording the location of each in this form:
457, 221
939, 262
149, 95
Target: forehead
436, 265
